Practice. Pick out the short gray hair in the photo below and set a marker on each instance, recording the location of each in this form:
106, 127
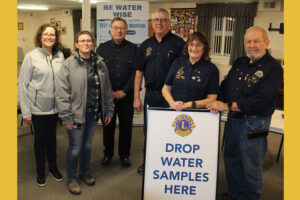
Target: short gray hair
161, 10
265, 34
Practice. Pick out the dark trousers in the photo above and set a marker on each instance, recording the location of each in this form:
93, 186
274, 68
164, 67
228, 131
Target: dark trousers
124, 111
153, 99
45, 141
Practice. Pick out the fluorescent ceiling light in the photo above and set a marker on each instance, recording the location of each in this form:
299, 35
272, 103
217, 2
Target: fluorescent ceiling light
32, 7
91, 1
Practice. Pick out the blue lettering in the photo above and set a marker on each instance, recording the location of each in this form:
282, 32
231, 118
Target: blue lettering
198, 176
205, 175
185, 189
183, 161
176, 162
169, 147
164, 175
189, 148
168, 188
190, 177
195, 147
183, 175
199, 162
177, 189
155, 173
191, 162
108, 7
122, 14
174, 176
166, 160
178, 147
180, 189
192, 190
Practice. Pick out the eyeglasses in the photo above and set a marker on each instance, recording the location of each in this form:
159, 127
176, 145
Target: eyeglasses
163, 20
48, 35
121, 28
198, 45
85, 41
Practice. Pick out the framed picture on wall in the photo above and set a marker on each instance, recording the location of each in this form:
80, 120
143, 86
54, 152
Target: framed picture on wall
20, 26
57, 23
52, 21
63, 30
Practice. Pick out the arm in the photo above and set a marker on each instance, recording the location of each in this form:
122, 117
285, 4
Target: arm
201, 103
63, 95
130, 83
137, 104
166, 92
108, 99
24, 80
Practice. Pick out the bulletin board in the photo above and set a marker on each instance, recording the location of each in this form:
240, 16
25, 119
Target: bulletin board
183, 21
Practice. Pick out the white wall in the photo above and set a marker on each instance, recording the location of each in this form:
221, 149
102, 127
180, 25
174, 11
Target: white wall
263, 19
33, 19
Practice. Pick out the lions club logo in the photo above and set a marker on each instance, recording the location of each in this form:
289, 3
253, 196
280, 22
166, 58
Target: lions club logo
148, 51
183, 125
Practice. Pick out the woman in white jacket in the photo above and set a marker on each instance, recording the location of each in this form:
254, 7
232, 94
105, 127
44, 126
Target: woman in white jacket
36, 88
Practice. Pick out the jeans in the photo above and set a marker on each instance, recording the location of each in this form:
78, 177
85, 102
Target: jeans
80, 142
244, 157
124, 111
45, 141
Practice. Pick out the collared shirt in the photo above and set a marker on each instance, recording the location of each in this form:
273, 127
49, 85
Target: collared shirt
155, 58
254, 86
192, 82
92, 87
120, 63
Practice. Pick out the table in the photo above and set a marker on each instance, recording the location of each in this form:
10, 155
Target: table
276, 126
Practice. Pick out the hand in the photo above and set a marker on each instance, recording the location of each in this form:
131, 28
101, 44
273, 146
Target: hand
217, 106
177, 105
120, 94
107, 120
114, 95
28, 120
137, 105
69, 126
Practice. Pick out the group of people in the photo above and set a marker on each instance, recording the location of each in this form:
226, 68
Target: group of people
106, 84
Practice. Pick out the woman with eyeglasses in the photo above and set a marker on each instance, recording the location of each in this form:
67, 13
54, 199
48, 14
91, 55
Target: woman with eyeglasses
193, 81
36, 88
83, 95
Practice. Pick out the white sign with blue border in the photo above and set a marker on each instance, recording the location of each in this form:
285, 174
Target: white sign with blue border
181, 155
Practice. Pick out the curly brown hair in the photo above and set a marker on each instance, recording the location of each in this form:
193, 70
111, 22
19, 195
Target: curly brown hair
37, 39
201, 37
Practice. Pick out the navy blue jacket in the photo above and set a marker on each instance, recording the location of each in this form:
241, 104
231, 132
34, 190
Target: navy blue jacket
120, 63
154, 59
192, 82
253, 86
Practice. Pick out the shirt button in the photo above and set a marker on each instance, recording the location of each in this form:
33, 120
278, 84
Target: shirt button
237, 88
118, 57
118, 66
118, 75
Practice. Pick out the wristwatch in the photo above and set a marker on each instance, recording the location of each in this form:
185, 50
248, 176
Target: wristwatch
229, 106
194, 104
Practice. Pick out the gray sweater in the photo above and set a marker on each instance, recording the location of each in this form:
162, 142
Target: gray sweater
71, 90
36, 82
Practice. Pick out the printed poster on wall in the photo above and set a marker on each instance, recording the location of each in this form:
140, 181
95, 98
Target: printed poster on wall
135, 13
181, 155
183, 21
